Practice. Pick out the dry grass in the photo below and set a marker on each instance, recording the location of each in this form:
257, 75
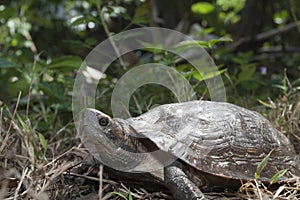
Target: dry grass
285, 114
57, 167
60, 168
255, 190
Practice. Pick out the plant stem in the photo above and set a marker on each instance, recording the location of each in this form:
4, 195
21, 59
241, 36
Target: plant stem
108, 33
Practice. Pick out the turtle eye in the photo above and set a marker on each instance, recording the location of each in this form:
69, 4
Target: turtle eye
103, 121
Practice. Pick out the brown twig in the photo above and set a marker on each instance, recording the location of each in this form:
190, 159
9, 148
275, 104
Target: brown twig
100, 181
264, 35
10, 124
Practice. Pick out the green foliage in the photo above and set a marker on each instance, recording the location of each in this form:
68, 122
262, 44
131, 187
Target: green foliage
281, 17
262, 165
278, 175
123, 196
43, 43
201, 76
5, 64
202, 8
219, 13
229, 10
210, 44
33, 141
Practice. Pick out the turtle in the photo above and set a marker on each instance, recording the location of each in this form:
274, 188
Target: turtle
192, 146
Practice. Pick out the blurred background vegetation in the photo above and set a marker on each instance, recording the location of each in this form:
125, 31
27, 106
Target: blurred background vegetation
254, 43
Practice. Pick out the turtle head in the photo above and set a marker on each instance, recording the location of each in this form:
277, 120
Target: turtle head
112, 141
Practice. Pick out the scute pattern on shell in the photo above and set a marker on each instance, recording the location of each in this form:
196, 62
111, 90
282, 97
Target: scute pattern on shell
218, 138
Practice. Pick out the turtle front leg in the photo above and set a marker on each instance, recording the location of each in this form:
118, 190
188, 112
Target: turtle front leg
180, 185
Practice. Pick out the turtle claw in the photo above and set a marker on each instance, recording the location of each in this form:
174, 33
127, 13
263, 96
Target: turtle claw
180, 185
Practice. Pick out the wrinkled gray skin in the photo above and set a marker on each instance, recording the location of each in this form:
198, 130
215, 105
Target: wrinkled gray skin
217, 145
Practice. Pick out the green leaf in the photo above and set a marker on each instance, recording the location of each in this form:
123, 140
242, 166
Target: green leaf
202, 8
212, 42
43, 141
79, 21
153, 48
5, 64
262, 165
76, 43
23, 124
8, 12
90, 42
204, 44
201, 43
278, 175
84, 20
119, 194
55, 89
281, 17
139, 20
282, 87
130, 196
66, 62
246, 73
267, 105
200, 76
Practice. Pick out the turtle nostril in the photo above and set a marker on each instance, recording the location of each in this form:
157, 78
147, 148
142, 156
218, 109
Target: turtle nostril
103, 121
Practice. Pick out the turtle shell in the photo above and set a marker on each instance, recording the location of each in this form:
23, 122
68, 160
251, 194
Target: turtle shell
217, 138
